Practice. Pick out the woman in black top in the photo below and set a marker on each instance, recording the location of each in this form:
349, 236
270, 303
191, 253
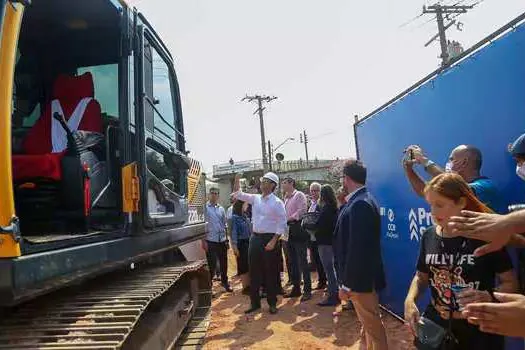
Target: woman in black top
447, 264
324, 232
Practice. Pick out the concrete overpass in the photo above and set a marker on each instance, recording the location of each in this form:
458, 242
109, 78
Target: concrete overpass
313, 171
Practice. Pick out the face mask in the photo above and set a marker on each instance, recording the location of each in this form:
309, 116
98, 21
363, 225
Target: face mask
520, 171
448, 167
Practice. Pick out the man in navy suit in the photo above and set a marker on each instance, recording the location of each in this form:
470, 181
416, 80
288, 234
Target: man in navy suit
358, 254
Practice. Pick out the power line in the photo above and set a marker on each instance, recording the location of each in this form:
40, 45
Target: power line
411, 20
427, 22
323, 135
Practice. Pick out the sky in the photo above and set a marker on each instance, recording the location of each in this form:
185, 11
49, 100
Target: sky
326, 61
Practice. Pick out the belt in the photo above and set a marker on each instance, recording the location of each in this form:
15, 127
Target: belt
264, 233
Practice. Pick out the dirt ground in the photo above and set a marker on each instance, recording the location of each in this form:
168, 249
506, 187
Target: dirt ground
295, 326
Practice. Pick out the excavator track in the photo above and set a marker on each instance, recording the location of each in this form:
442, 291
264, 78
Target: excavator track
110, 313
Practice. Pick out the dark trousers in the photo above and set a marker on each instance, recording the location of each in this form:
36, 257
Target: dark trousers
287, 258
218, 251
299, 262
264, 269
316, 259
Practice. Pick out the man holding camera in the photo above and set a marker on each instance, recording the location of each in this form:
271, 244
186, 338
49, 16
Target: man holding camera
464, 160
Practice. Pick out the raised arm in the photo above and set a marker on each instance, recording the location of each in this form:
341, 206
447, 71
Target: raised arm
417, 183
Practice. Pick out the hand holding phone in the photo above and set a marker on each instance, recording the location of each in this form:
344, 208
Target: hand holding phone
408, 159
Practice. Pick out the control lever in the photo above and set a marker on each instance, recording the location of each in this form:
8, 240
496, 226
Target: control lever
72, 147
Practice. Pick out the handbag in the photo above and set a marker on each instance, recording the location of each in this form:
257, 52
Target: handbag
310, 220
429, 335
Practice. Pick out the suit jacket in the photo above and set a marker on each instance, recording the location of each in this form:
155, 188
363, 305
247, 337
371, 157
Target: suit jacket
357, 246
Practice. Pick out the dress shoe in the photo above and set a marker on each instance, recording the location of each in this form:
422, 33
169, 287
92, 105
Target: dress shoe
293, 294
252, 309
329, 302
273, 309
320, 285
228, 288
306, 297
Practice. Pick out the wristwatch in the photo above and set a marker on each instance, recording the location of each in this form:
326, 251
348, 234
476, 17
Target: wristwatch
428, 163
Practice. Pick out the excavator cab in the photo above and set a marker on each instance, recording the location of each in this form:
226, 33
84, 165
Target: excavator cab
95, 145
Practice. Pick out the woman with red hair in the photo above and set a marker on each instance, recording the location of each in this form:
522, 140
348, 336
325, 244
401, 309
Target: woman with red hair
456, 278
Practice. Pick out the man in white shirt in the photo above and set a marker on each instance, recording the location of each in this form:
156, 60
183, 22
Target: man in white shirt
269, 223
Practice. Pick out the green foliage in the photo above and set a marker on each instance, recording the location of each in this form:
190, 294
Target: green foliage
302, 186
334, 173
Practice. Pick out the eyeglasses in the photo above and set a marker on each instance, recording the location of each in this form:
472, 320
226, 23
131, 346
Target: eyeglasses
216, 193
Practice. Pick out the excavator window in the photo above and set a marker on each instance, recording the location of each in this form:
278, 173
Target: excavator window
166, 166
160, 111
105, 78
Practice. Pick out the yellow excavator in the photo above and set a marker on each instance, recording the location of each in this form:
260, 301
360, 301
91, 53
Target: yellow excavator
101, 208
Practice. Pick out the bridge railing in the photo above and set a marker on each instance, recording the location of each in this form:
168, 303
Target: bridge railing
257, 165
294, 165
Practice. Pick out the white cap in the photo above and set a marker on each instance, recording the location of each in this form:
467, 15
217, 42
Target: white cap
272, 177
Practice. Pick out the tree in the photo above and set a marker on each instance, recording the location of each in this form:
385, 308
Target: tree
302, 186
335, 172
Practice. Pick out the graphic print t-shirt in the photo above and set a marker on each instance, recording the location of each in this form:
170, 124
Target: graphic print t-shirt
451, 261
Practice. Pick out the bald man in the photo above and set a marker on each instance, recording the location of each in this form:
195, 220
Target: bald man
464, 160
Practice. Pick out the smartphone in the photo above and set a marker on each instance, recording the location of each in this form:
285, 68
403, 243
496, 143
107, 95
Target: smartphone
409, 154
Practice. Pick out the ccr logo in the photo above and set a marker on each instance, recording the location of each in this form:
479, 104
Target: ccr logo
418, 223
391, 225
391, 215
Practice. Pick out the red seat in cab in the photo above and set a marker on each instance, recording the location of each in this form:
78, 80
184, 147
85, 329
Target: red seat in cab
45, 144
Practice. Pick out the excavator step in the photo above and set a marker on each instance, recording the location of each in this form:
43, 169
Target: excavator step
192, 338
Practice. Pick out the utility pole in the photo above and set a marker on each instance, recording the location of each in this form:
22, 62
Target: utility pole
270, 155
304, 139
260, 99
442, 12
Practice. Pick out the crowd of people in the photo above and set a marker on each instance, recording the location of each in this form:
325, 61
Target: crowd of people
475, 290
464, 257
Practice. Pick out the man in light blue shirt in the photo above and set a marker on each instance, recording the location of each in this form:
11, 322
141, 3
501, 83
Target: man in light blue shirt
216, 242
